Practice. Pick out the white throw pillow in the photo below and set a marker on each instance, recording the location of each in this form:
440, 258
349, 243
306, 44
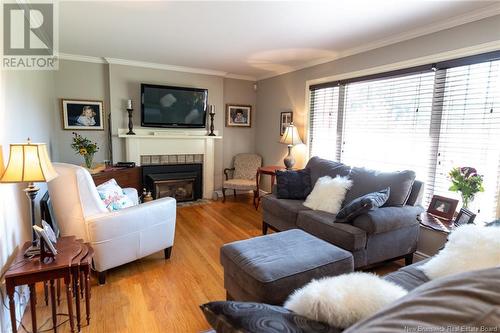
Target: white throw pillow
328, 194
343, 300
469, 247
113, 196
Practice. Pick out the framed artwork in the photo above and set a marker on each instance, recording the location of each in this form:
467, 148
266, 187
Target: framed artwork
238, 115
465, 216
82, 115
442, 207
286, 118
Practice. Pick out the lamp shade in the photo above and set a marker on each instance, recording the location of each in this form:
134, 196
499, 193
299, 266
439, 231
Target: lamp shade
28, 162
1, 162
291, 136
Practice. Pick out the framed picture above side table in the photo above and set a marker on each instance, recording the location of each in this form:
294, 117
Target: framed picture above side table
82, 114
238, 115
286, 118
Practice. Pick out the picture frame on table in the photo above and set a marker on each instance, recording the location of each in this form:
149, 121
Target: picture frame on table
82, 115
442, 207
286, 119
238, 115
465, 216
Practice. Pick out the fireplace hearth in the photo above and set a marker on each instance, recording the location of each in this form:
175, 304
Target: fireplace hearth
180, 181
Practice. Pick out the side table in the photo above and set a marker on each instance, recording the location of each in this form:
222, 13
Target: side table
434, 233
265, 170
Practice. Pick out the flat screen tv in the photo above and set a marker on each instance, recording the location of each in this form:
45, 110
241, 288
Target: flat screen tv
164, 106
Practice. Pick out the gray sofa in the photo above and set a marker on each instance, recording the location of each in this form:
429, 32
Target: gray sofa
386, 233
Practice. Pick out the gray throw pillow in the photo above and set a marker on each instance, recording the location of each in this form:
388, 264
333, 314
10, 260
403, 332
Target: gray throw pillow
237, 317
362, 205
292, 184
367, 181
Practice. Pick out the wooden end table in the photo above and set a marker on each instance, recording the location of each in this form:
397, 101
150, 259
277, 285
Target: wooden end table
434, 233
71, 253
265, 170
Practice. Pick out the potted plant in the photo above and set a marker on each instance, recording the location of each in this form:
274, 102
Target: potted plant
85, 148
466, 181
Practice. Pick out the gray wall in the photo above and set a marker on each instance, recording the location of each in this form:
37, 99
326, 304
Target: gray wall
114, 84
239, 139
25, 111
288, 91
85, 81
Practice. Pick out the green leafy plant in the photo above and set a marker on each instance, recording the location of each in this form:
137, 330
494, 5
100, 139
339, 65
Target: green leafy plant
466, 181
85, 148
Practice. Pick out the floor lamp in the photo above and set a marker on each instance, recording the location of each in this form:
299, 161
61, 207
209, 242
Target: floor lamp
29, 163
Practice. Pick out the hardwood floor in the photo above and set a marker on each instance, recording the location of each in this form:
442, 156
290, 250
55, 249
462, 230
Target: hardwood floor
158, 295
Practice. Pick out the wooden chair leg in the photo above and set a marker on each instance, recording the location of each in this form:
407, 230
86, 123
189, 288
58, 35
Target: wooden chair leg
223, 194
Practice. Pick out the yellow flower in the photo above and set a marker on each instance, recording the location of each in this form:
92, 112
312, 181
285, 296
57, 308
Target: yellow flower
83, 151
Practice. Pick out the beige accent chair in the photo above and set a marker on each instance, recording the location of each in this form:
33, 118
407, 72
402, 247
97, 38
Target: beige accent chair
242, 175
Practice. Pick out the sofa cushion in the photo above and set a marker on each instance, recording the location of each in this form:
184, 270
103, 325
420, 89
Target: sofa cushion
293, 184
286, 209
462, 302
322, 225
320, 167
236, 317
387, 219
366, 181
268, 268
363, 205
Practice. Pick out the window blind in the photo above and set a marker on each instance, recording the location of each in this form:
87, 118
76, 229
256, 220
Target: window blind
323, 123
428, 121
470, 131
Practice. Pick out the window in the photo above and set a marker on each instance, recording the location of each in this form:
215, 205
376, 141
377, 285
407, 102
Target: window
424, 120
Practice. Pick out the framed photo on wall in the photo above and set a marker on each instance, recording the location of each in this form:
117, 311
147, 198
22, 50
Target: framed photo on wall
286, 118
442, 207
238, 115
82, 114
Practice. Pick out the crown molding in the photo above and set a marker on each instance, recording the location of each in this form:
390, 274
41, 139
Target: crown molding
134, 63
455, 21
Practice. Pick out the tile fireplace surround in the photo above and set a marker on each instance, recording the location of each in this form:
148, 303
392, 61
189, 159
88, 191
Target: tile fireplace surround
159, 146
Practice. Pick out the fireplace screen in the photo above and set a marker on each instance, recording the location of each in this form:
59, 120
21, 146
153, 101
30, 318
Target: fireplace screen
180, 189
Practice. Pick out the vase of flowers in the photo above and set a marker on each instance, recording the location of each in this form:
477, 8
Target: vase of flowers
85, 148
466, 181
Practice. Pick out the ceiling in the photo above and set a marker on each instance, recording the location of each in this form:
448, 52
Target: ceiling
252, 38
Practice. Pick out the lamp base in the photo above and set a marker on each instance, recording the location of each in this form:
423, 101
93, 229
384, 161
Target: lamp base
31, 191
289, 160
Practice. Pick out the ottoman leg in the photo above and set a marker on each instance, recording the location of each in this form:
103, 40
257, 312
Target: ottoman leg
264, 227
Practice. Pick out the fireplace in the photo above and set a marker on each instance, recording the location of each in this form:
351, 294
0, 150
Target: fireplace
180, 181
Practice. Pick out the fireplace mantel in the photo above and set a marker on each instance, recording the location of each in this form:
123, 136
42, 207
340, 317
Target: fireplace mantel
173, 142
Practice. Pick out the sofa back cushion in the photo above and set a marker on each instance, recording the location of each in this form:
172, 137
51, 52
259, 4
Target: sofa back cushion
367, 181
320, 167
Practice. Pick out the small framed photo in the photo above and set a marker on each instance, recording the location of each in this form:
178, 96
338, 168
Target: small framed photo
82, 115
238, 115
286, 118
442, 207
465, 216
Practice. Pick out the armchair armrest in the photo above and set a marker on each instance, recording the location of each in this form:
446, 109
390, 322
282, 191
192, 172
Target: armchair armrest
227, 171
388, 218
103, 227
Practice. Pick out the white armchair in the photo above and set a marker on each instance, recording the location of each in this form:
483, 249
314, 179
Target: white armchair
117, 237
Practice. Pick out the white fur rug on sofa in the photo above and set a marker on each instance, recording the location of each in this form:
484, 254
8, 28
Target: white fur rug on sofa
345, 299
469, 247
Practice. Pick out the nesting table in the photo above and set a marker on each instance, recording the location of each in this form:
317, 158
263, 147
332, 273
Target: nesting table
72, 265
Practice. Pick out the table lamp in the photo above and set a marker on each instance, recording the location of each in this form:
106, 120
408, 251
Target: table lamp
291, 138
29, 163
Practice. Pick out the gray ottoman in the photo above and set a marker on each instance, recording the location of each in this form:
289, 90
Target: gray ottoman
268, 268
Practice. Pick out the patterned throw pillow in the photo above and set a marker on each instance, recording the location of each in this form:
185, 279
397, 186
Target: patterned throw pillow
362, 205
236, 317
293, 184
113, 196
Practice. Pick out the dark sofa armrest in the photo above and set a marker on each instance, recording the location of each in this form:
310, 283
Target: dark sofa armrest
388, 218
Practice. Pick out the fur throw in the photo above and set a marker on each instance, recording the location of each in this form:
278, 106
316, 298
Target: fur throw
469, 247
328, 194
345, 299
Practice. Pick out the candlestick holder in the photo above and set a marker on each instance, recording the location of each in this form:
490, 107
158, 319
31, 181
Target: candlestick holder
211, 124
130, 123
